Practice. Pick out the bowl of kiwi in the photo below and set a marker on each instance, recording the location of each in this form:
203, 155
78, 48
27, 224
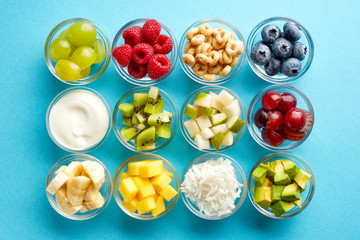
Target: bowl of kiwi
145, 119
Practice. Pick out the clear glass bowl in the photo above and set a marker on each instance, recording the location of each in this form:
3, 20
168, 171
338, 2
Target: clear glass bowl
117, 123
240, 176
96, 69
214, 22
56, 99
255, 36
105, 191
175, 183
190, 100
302, 102
146, 81
306, 195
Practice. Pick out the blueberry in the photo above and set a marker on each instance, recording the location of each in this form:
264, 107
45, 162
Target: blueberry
270, 33
272, 67
260, 54
292, 31
299, 51
282, 48
291, 67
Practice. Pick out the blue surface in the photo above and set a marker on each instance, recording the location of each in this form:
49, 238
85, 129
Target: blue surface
27, 152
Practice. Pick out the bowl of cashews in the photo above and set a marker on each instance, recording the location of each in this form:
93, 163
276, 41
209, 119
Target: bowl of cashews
212, 51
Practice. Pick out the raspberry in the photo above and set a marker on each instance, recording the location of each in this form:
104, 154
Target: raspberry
123, 55
163, 44
159, 65
136, 70
132, 35
142, 53
150, 31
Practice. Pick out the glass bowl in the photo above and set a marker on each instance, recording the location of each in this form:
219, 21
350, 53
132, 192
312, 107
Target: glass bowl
306, 195
175, 183
214, 22
56, 99
240, 176
160, 143
190, 100
105, 191
118, 41
96, 69
255, 36
302, 102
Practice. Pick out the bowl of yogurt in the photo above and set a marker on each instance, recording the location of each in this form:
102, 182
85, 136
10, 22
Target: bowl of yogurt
78, 119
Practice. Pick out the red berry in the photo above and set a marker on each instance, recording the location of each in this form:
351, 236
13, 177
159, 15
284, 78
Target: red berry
293, 133
136, 70
123, 54
275, 121
309, 122
288, 101
281, 132
294, 119
132, 35
270, 100
261, 117
294, 138
163, 44
159, 65
271, 137
142, 53
150, 31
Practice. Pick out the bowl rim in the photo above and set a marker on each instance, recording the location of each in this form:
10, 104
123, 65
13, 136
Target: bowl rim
100, 31
205, 157
61, 95
51, 198
298, 160
124, 74
118, 175
257, 29
252, 111
233, 72
182, 116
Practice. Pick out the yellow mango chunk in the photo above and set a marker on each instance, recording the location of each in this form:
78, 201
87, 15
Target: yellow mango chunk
160, 182
156, 196
131, 206
145, 192
151, 168
160, 206
140, 182
128, 189
167, 172
124, 175
168, 193
134, 167
146, 205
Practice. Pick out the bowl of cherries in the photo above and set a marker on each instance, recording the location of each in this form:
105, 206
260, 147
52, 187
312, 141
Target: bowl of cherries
280, 117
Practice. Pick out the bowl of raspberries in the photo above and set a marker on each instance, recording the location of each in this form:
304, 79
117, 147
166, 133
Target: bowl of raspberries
280, 50
144, 51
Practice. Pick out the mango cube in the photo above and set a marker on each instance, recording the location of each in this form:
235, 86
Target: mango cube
140, 182
145, 192
167, 172
160, 206
160, 182
134, 167
128, 189
124, 175
150, 168
168, 193
131, 206
146, 205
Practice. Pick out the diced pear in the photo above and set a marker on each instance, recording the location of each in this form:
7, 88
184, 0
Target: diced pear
217, 140
203, 122
207, 133
201, 142
228, 139
215, 103
220, 128
225, 98
203, 100
192, 127
235, 124
191, 111
232, 110
218, 118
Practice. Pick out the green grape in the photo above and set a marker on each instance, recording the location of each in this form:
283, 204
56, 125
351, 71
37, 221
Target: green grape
64, 34
82, 34
67, 70
84, 73
99, 48
84, 57
59, 48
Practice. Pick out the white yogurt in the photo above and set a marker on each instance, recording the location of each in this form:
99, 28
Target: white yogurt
79, 120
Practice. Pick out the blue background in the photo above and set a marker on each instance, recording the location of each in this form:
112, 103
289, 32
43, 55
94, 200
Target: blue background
27, 152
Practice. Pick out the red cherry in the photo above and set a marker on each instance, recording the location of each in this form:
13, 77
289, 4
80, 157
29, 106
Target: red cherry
270, 100
294, 119
275, 121
271, 137
261, 117
281, 132
293, 138
309, 122
288, 101
293, 133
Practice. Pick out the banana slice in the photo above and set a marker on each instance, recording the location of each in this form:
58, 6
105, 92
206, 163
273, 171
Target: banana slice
61, 169
57, 183
64, 203
91, 193
84, 209
74, 169
76, 188
95, 172
98, 202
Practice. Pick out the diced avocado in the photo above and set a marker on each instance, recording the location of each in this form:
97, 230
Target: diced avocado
281, 178
290, 168
266, 183
301, 178
291, 192
276, 192
303, 189
281, 207
298, 202
270, 172
274, 163
259, 174
191, 111
262, 196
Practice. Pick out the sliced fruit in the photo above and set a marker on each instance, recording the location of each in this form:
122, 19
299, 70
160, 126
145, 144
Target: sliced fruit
281, 207
64, 203
191, 111
217, 140
208, 111
163, 131
228, 139
203, 122
73, 169
232, 109
276, 192
159, 104
262, 196
159, 206
259, 174
207, 133
291, 193
201, 142
76, 188
158, 119
146, 139
215, 103
302, 178
151, 101
203, 100
192, 127
57, 183
218, 118
98, 202
95, 171
129, 133
220, 128
235, 124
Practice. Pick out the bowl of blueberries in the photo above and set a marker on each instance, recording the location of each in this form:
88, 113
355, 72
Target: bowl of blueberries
280, 50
